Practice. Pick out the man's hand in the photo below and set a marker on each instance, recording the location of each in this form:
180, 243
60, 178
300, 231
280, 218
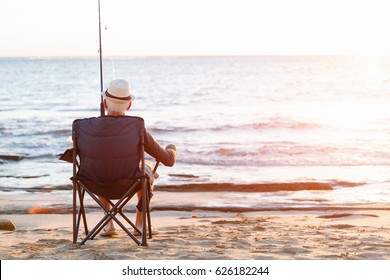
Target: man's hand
171, 146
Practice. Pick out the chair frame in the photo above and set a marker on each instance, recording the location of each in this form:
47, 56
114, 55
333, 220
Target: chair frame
80, 188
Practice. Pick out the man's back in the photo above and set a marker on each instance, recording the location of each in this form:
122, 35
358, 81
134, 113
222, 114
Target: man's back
109, 148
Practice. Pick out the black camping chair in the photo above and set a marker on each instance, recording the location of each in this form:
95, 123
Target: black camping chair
108, 161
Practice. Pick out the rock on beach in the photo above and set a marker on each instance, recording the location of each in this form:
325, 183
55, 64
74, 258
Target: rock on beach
7, 225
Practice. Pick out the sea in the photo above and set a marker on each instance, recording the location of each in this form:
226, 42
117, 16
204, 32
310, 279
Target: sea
252, 133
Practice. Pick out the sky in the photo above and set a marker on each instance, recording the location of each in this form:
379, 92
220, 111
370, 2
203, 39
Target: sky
194, 27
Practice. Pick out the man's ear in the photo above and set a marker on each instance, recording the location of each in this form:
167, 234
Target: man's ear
128, 107
105, 103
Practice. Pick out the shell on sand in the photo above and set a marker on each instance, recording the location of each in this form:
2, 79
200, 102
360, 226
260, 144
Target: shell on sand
7, 225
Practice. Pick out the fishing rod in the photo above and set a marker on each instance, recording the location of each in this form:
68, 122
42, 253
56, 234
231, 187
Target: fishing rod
101, 64
102, 112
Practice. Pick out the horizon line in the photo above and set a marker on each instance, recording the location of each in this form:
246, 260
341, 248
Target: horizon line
184, 55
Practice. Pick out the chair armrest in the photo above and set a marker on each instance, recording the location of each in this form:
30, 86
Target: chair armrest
155, 167
67, 155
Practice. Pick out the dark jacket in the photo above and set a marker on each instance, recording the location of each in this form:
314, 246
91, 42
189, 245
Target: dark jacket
109, 148
166, 156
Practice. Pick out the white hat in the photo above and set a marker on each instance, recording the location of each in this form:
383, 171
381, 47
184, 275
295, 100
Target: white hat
119, 90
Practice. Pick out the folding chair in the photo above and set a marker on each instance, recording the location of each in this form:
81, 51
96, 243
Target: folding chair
108, 162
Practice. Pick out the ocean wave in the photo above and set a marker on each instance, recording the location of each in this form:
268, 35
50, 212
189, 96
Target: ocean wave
244, 209
24, 176
38, 189
262, 187
207, 187
34, 128
55, 132
32, 132
11, 157
250, 162
16, 158
283, 154
271, 124
282, 124
173, 129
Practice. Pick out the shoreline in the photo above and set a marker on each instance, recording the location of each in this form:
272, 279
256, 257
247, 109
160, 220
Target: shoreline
207, 187
217, 197
185, 203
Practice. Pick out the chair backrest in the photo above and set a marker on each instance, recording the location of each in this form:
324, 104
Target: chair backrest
109, 148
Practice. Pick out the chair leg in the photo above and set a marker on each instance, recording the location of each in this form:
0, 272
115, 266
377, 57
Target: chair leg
94, 231
81, 212
129, 222
148, 212
104, 221
109, 216
144, 207
111, 213
74, 212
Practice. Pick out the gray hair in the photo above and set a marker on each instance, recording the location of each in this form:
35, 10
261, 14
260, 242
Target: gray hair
117, 107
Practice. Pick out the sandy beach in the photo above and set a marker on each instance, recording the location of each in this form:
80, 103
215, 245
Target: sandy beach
273, 235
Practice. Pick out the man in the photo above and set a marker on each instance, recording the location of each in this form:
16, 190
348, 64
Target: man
117, 100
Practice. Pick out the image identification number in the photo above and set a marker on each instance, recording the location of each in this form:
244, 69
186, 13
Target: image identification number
242, 271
